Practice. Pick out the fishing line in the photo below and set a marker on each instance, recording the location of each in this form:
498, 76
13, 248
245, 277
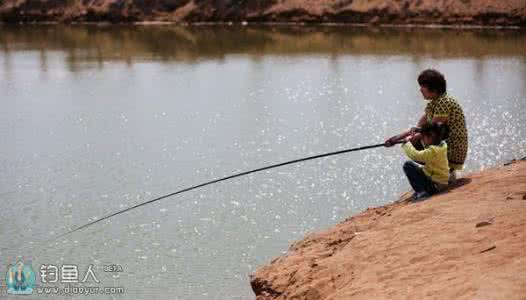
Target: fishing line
219, 180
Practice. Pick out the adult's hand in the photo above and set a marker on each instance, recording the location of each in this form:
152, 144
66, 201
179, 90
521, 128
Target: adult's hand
391, 141
414, 130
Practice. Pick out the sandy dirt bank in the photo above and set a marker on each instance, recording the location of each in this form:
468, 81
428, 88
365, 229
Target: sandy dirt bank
467, 243
389, 12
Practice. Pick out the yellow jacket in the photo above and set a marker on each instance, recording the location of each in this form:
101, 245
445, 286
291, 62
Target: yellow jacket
435, 160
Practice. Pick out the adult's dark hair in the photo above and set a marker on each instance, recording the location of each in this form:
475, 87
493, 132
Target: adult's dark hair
433, 81
438, 131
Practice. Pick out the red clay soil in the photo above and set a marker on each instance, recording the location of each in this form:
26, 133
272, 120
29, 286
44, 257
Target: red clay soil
392, 12
467, 243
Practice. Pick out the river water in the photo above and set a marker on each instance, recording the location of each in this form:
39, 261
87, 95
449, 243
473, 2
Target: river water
98, 118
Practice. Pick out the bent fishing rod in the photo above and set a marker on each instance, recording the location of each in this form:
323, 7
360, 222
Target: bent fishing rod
223, 179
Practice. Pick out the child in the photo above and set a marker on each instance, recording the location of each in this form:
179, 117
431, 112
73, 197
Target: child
433, 176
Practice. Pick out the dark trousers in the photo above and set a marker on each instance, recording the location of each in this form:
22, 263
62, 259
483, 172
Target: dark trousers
418, 179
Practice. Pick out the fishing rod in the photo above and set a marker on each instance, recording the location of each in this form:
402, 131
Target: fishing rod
222, 179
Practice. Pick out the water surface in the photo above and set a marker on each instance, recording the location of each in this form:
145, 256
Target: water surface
95, 119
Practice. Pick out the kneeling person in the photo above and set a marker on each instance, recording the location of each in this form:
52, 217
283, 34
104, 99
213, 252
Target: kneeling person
430, 175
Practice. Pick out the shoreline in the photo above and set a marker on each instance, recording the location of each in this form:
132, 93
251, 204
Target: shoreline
480, 14
271, 24
437, 248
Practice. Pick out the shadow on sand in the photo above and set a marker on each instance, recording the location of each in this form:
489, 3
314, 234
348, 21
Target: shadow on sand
406, 197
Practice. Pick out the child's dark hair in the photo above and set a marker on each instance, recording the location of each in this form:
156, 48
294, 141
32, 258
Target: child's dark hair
438, 131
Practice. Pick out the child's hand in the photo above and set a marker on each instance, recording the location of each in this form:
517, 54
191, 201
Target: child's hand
408, 139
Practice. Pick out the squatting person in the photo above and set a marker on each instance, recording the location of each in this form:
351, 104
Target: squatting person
441, 108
